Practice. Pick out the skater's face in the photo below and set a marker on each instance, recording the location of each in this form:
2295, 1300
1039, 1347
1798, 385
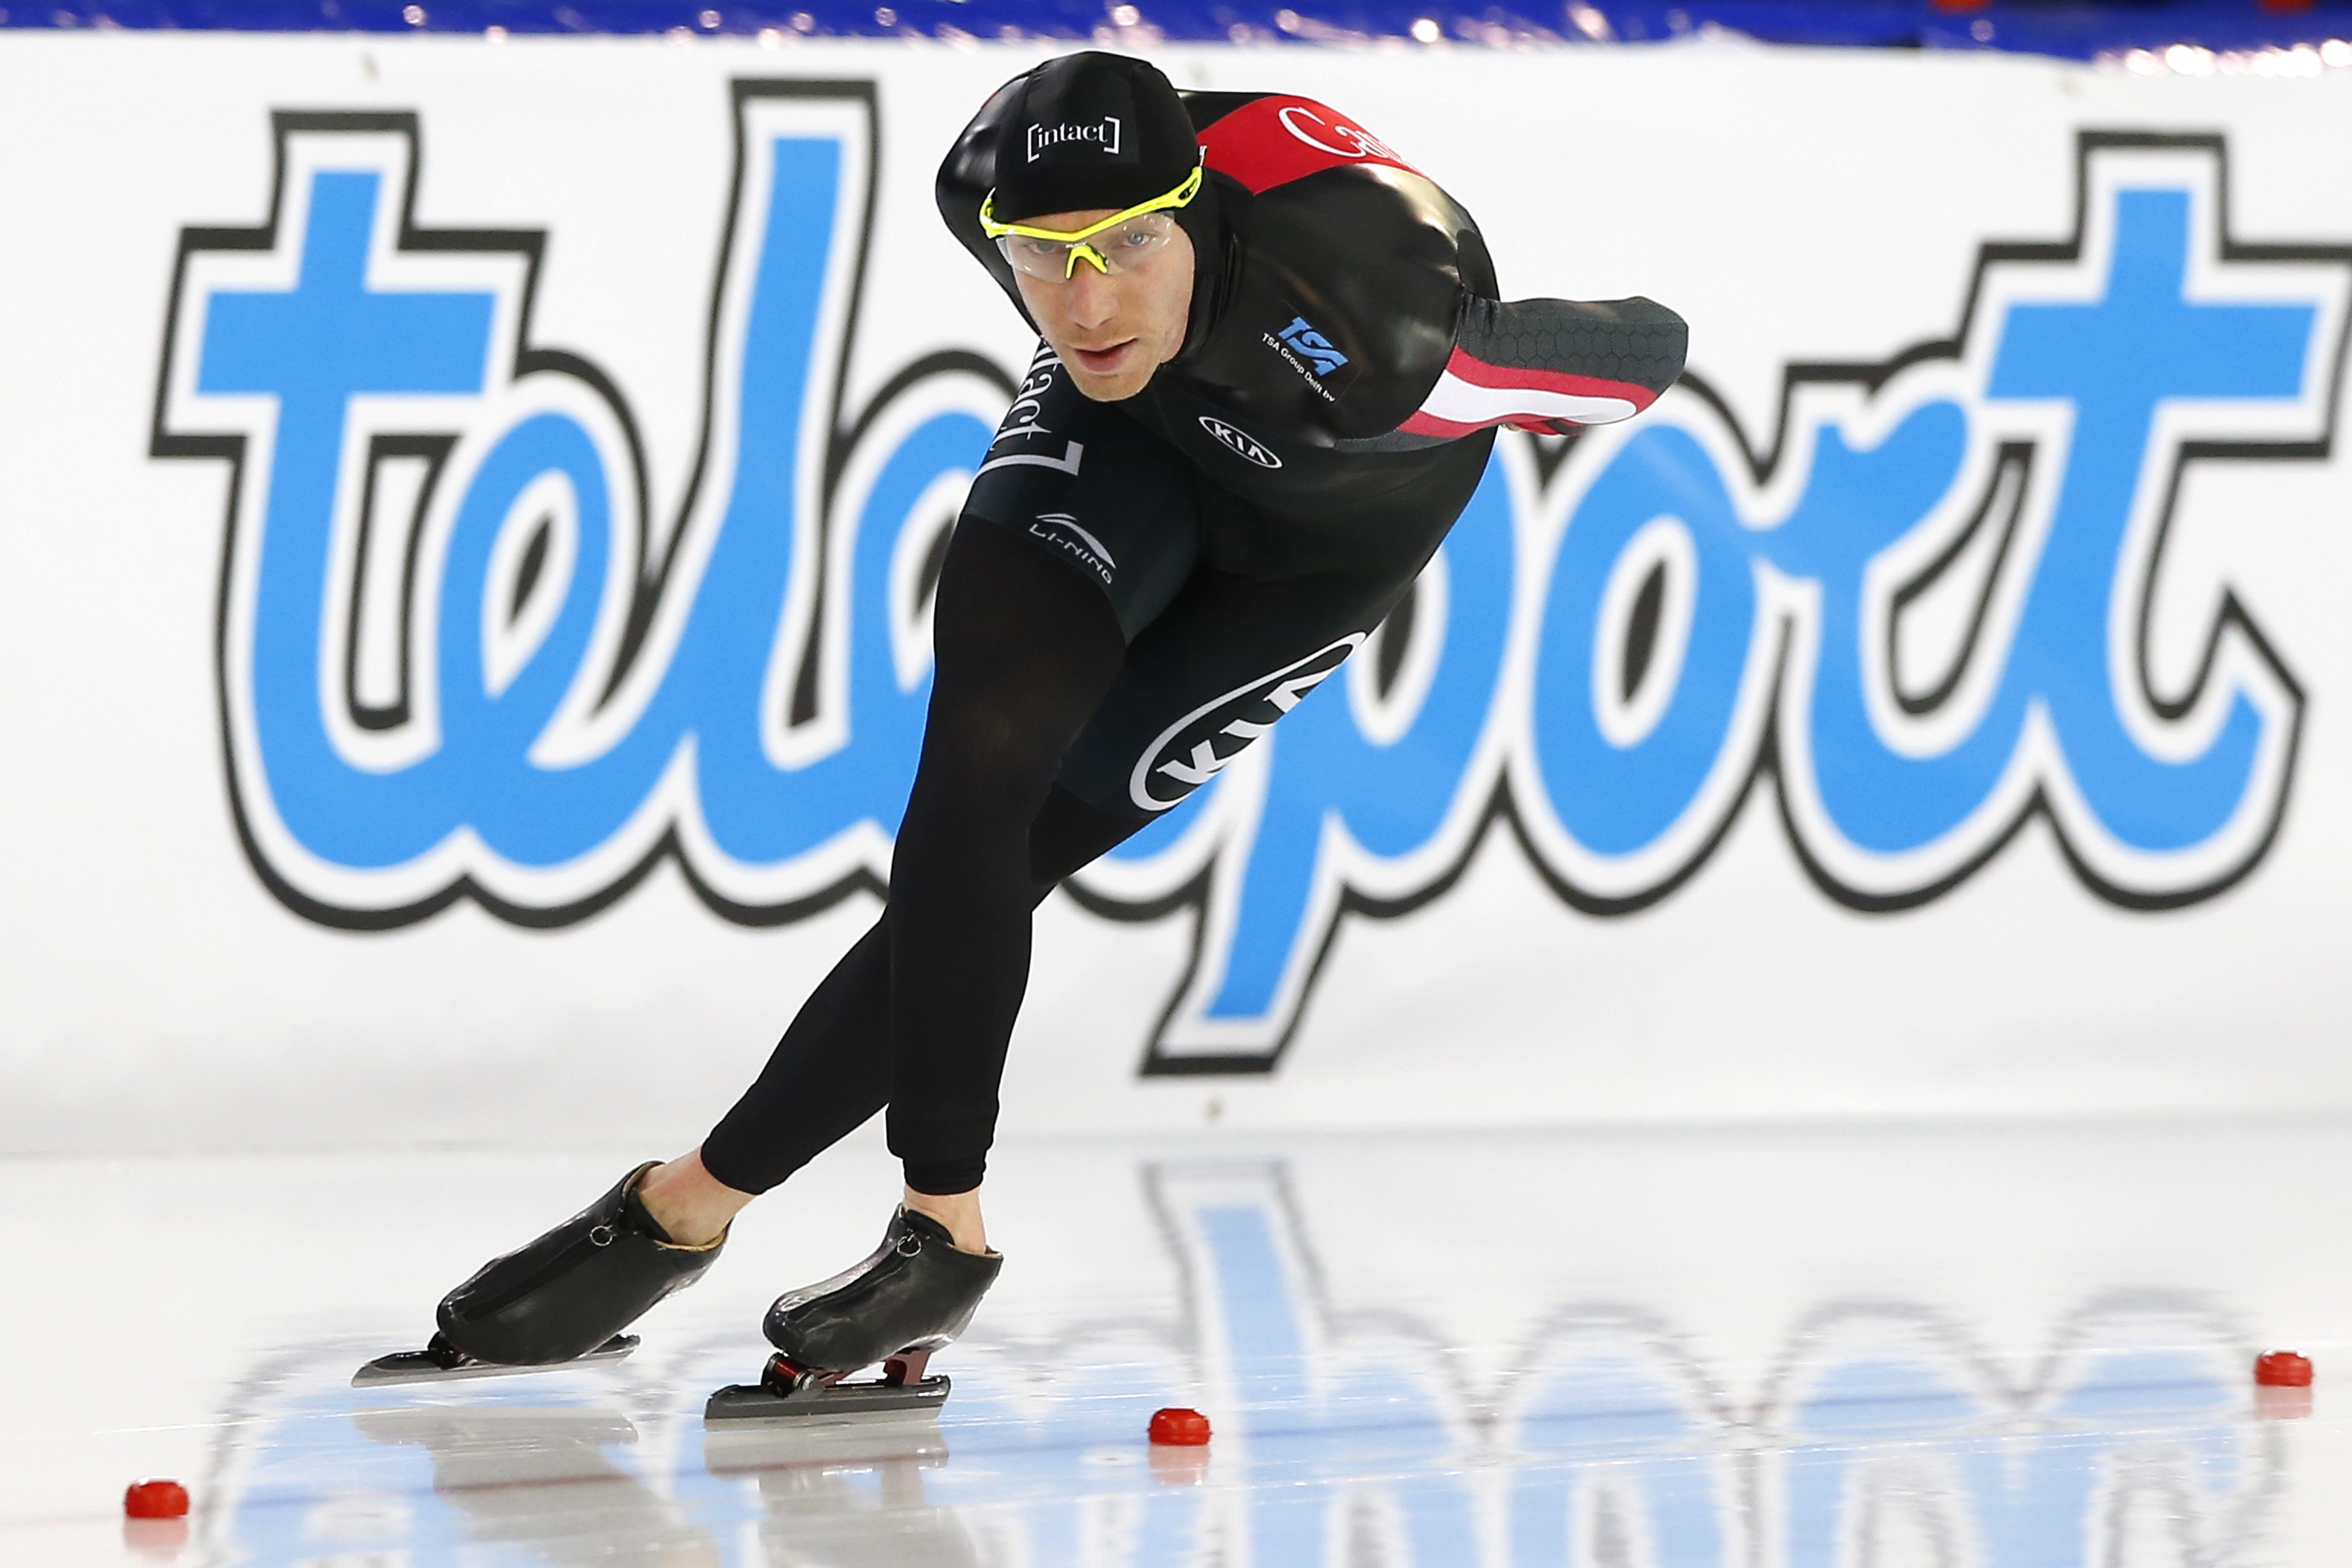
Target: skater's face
1113, 328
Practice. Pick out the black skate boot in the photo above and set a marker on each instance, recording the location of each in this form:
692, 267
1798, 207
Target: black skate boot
559, 1300
915, 1294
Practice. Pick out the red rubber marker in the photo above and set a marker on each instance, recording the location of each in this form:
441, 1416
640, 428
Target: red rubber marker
155, 1499
1181, 1428
2282, 1369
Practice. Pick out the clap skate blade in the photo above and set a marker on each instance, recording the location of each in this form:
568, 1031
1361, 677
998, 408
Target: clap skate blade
440, 1361
787, 1392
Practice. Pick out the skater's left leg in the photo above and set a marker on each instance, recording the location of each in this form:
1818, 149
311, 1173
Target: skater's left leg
919, 1288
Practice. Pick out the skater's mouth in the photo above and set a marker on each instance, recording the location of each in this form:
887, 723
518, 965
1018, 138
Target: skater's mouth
1104, 362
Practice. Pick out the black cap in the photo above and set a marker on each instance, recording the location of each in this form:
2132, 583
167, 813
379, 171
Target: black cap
1092, 130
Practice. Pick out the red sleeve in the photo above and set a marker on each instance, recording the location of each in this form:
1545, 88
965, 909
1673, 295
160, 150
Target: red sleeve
1276, 139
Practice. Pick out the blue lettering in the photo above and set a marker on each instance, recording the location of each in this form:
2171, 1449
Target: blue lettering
1615, 657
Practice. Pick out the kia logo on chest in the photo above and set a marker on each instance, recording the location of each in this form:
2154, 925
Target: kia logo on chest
1241, 443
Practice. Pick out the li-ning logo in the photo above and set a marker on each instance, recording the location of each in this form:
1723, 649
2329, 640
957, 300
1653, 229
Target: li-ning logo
1314, 345
1935, 622
1239, 442
1061, 530
1102, 135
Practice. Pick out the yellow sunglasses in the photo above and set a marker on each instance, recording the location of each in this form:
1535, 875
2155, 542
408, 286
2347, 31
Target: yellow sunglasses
1049, 246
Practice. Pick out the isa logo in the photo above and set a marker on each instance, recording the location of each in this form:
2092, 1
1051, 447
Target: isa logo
1318, 349
460, 658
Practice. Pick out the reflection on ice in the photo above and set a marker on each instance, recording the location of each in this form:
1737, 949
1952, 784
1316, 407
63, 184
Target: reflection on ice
155, 1540
1877, 1433
1891, 1423
850, 1493
542, 1478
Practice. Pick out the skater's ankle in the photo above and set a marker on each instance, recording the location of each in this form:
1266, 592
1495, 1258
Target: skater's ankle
687, 1201
959, 1212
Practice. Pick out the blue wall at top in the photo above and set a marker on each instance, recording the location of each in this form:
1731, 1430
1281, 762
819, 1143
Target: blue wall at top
2047, 27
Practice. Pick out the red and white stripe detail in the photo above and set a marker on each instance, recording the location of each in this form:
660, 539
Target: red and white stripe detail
1471, 394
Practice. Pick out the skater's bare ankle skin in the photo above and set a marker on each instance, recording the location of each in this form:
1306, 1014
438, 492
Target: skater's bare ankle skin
689, 1202
959, 1212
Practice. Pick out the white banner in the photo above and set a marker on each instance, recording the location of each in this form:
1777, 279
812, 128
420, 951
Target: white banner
468, 508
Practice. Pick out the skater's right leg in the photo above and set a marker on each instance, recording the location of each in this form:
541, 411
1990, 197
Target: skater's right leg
1029, 634
919, 1011
830, 1072
568, 1290
1026, 648
826, 1078
689, 1202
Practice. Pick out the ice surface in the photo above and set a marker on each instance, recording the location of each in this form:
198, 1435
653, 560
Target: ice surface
2008, 1347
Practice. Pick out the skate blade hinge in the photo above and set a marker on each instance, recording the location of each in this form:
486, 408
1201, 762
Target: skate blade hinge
786, 1393
441, 1362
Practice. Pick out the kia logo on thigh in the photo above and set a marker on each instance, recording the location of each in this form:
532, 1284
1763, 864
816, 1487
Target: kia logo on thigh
1239, 442
1196, 748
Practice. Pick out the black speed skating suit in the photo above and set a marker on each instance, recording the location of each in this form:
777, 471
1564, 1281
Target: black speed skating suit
1276, 487
1151, 578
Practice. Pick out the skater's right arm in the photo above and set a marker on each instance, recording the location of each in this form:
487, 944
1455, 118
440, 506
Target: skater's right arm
1552, 366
